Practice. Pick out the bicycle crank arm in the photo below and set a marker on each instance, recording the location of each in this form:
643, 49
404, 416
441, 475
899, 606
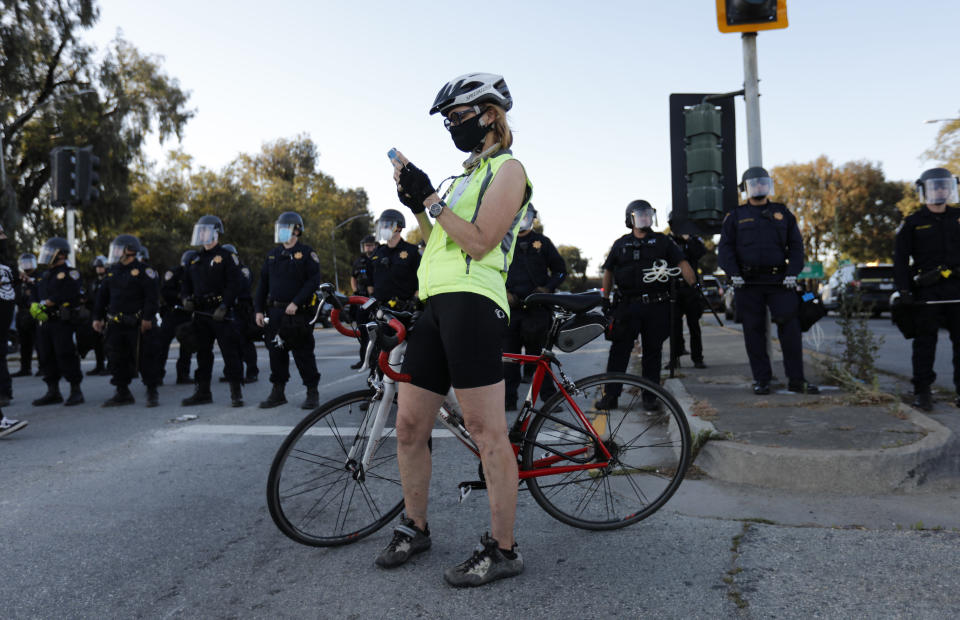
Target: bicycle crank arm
466, 487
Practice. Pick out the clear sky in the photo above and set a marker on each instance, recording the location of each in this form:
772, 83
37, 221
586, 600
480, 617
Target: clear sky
853, 80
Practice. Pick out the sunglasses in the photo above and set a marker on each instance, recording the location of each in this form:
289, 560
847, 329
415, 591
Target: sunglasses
455, 118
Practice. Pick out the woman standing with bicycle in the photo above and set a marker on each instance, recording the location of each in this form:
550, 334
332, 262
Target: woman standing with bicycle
457, 340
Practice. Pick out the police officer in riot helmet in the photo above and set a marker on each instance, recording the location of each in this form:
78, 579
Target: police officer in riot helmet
641, 264
173, 316
59, 312
395, 262
689, 303
926, 263
762, 251
211, 284
537, 267
361, 281
285, 303
26, 324
247, 330
99, 265
125, 309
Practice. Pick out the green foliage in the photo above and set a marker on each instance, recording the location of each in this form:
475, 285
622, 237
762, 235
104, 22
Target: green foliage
946, 148
851, 210
576, 269
54, 93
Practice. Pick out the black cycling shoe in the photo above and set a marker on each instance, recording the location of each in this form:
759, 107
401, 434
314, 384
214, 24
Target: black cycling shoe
761, 388
408, 540
924, 401
488, 563
802, 387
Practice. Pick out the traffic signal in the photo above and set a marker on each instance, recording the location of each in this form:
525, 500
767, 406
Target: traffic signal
751, 15
703, 161
63, 175
88, 175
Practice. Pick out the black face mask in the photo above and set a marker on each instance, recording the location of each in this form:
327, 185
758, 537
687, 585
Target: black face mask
468, 135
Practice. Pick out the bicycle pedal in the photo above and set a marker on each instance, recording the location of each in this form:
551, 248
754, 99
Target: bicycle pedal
466, 487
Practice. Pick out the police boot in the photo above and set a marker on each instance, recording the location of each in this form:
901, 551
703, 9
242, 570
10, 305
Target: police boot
236, 394
276, 397
76, 396
923, 401
52, 397
153, 397
607, 402
122, 397
312, 400
201, 395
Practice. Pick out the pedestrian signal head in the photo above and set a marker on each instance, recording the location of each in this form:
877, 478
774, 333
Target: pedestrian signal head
288, 225
207, 230
640, 215
123, 245
528, 218
390, 222
756, 183
937, 186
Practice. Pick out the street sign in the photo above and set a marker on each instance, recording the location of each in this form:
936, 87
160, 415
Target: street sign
751, 15
811, 271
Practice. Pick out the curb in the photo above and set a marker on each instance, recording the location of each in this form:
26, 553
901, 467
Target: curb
839, 471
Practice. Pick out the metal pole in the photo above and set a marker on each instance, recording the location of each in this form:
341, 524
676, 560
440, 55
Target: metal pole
71, 235
751, 96
333, 248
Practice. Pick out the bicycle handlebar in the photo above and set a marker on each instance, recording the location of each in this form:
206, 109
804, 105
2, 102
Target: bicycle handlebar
386, 342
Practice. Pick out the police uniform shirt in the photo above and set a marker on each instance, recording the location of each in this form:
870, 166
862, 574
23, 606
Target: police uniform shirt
395, 271
932, 240
213, 273
171, 285
632, 260
692, 248
760, 237
536, 263
288, 275
61, 285
362, 272
128, 290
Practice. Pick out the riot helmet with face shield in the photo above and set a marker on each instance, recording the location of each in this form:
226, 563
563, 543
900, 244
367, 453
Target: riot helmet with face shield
640, 215
391, 221
52, 249
756, 183
207, 230
526, 224
937, 186
123, 245
368, 245
288, 225
27, 262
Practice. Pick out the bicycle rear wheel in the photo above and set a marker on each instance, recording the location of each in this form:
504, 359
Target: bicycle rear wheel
321, 496
647, 436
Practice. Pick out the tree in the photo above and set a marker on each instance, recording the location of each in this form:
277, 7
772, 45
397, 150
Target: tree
946, 148
576, 268
54, 93
849, 210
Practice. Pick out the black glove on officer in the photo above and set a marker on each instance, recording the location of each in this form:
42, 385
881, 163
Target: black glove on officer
414, 187
220, 313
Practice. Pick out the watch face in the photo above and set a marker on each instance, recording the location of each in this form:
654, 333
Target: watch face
435, 209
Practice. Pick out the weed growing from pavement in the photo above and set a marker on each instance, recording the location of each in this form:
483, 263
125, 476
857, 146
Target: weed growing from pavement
733, 593
855, 372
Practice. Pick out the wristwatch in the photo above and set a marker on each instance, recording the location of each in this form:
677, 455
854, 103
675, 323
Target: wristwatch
435, 209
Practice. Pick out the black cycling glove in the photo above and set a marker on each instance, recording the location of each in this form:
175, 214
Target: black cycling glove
414, 187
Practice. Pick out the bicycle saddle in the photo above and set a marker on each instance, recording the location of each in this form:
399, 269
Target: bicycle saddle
571, 303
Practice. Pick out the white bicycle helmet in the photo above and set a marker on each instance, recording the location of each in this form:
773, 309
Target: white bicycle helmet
472, 89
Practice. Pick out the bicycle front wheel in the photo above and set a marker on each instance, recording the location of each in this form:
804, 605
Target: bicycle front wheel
646, 434
318, 491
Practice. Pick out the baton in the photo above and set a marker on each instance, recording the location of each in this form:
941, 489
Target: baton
706, 301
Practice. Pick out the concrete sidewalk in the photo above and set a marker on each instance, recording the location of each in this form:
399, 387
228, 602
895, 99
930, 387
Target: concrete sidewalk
799, 442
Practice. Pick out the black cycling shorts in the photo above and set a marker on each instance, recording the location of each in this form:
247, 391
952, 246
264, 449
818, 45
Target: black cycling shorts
457, 341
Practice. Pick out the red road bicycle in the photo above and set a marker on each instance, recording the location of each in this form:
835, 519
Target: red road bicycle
335, 478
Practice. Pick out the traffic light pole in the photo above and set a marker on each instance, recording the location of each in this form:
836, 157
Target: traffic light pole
71, 234
751, 98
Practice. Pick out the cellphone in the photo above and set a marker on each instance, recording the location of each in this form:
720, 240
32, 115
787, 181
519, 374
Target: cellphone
394, 158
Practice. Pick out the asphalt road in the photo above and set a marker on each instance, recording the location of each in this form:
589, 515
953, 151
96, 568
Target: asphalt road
123, 513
